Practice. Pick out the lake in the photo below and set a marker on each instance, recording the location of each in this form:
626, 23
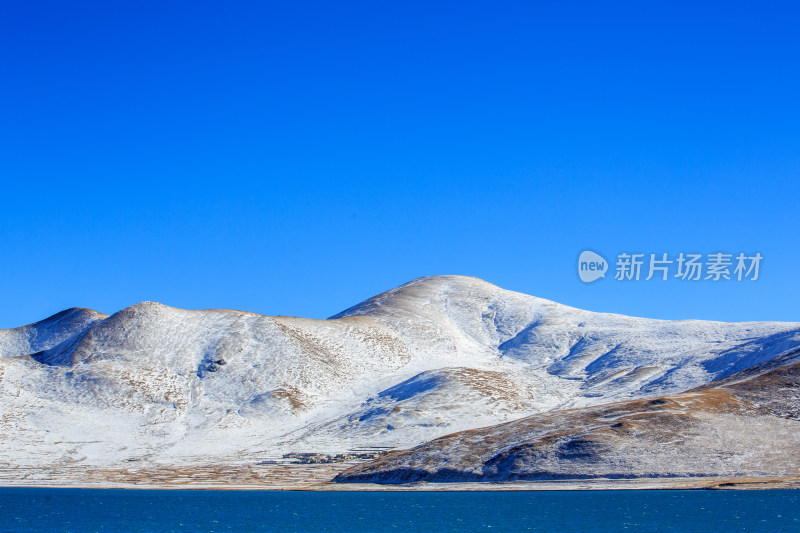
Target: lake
87, 510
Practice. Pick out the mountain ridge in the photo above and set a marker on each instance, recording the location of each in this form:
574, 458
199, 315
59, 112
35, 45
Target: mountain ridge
161, 385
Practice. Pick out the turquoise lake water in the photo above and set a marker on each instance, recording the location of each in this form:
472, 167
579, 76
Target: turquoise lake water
88, 510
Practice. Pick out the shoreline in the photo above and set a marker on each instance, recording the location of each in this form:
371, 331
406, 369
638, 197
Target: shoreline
319, 476
708, 483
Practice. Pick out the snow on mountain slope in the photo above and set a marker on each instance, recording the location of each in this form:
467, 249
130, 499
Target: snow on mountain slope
157, 380
612, 356
154, 384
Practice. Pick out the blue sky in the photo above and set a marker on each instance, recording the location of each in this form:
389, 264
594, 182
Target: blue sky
296, 159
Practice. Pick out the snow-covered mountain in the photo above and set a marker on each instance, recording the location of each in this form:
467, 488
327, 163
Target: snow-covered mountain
159, 385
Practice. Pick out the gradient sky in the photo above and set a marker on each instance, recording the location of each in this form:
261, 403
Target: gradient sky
295, 158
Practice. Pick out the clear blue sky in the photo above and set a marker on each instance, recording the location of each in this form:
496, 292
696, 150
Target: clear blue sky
295, 158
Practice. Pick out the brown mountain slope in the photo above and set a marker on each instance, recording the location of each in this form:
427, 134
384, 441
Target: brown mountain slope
746, 425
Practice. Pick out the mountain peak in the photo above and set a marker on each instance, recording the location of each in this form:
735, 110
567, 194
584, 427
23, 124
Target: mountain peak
49, 332
427, 291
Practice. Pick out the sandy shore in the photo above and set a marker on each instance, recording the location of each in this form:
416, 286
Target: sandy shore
318, 476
